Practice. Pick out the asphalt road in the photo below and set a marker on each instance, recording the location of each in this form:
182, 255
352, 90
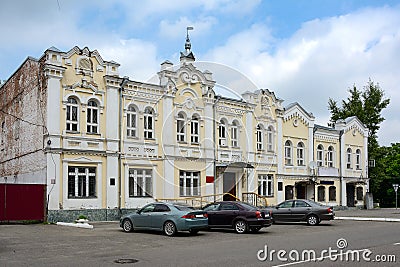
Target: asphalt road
52, 245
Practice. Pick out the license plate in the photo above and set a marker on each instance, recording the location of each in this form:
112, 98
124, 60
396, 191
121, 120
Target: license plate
199, 216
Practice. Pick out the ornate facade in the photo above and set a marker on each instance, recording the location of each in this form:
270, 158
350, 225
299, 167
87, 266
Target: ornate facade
102, 143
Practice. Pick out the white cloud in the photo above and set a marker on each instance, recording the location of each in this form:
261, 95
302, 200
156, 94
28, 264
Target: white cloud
137, 58
323, 59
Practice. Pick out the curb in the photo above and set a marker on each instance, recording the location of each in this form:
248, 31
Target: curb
368, 219
79, 225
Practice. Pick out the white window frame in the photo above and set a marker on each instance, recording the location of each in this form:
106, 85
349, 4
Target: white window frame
92, 117
180, 127
148, 116
288, 153
194, 130
222, 138
348, 159
358, 159
300, 154
234, 135
131, 121
187, 179
259, 137
70, 122
266, 185
82, 181
330, 157
270, 139
140, 183
320, 155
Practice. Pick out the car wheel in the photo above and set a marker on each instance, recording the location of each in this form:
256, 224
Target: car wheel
169, 228
255, 229
127, 226
193, 231
313, 220
240, 227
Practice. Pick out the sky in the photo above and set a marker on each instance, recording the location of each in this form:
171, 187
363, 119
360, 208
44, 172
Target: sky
305, 51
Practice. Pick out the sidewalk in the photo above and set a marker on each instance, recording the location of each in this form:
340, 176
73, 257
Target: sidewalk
379, 214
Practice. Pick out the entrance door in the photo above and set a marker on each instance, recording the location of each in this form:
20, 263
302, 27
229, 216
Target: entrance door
350, 190
229, 186
300, 191
288, 192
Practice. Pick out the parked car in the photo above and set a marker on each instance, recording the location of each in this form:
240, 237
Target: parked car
167, 217
240, 216
302, 210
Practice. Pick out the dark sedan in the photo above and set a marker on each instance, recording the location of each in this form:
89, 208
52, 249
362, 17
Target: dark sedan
302, 210
240, 216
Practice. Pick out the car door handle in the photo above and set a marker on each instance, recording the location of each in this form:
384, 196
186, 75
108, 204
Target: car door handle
308, 209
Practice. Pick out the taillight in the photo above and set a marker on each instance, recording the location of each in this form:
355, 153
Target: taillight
205, 215
188, 216
258, 214
329, 210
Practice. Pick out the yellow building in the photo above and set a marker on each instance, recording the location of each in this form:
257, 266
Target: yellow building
112, 144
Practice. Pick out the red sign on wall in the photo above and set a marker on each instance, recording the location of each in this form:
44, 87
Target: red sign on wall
209, 179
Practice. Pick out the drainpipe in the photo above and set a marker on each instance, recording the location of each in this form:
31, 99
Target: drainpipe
124, 81
215, 145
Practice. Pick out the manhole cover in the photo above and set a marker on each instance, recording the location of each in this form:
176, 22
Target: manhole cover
123, 261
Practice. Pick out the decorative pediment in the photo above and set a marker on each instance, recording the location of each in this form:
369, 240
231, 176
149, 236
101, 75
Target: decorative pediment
298, 113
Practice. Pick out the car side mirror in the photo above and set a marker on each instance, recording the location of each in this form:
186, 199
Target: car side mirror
277, 208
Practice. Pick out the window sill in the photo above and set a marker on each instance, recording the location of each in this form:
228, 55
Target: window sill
140, 196
72, 132
182, 142
195, 144
94, 134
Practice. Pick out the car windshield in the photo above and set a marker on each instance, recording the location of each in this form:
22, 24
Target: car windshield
183, 208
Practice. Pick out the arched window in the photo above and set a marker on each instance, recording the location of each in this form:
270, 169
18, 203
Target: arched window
348, 159
259, 136
234, 134
131, 119
300, 154
222, 133
72, 114
332, 193
329, 157
92, 115
180, 127
194, 130
320, 155
288, 153
148, 123
270, 138
358, 159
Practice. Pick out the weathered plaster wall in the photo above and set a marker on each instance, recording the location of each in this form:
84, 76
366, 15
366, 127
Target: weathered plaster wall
22, 119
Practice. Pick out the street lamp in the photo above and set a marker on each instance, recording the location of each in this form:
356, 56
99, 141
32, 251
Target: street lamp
395, 187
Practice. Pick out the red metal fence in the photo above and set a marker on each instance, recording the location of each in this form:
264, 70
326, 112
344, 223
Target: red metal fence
20, 202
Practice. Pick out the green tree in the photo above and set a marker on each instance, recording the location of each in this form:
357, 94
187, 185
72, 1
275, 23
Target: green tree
367, 105
386, 173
